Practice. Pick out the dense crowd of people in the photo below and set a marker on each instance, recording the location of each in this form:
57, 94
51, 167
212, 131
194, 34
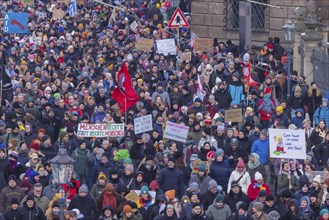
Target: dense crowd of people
63, 72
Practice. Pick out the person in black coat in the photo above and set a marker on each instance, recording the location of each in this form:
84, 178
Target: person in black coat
29, 210
208, 197
197, 213
234, 196
85, 203
149, 169
10, 213
322, 151
223, 97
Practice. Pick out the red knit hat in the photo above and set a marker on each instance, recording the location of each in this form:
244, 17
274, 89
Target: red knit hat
267, 91
154, 185
42, 130
211, 154
240, 164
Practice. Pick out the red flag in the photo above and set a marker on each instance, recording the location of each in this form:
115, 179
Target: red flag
124, 94
247, 75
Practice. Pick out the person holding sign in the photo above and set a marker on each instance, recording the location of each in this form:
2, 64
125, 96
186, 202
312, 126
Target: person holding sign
286, 180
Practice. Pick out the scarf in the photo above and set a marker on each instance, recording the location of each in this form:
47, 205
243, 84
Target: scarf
109, 199
13, 164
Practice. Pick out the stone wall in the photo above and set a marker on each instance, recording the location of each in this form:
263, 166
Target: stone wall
208, 19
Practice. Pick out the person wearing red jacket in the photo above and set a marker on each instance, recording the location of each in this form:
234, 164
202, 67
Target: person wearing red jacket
266, 108
256, 186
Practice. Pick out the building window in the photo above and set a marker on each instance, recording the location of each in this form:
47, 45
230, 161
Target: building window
259, 15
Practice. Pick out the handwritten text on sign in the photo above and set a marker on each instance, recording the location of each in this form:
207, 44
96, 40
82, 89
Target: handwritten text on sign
176, 132
289, 144
143, 124
100, 130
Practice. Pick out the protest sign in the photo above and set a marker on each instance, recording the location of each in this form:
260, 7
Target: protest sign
134, 26
203, 44
176, 132
143, 124
166, 46
28, 2
233, 115
58, 13
100, 130
66, 2
80, 2
287, 144
186, 56
144, 44
35, 40
132, 196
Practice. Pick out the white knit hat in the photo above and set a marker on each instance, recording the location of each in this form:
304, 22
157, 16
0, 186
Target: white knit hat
317, 178
258, 176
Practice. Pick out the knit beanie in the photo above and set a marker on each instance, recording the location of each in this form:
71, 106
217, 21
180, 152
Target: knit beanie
127, 209
212, 184
324, 211
317, 179
219, 198
154, 185
145, 190
127, 161
109, 187
202, 168
279, 109
258, 176
84, 188
170, 194
258, 206
219, 152
264, 132
240, 164
130, 167
194, 186
102, 176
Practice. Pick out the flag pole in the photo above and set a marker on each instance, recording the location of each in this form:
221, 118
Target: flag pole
126, 116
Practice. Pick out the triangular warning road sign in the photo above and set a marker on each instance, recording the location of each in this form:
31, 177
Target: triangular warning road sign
178, 20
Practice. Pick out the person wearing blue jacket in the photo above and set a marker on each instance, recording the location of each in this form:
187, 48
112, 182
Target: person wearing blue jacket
170, 178
220, 169
322, 113
236, 90
261, 147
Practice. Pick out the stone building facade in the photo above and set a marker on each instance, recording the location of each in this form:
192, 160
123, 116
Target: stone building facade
213, 18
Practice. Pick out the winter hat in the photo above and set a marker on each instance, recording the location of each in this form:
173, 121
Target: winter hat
258, 206
14, 201
273, 215
246, 57
317, 179
240, 164
145, 190
259, 126
219, 152
264, 132
12, 177
234, 184
242, 205
55, 204
127, 209
286, 193
219, 198
170, 194
211, 154
185, 199
13, 154
267, 91
44, 138
269, 198
171, 159
130, 167
42, 130
258, 176
279, 109
127, 161
325, 100
83, 188
236, 74
324, 211
154, 185
102, 176
197, 204
29, 197
202, 168
194, 157
212, 184
262, 193
109, 187
314, 194
194, 186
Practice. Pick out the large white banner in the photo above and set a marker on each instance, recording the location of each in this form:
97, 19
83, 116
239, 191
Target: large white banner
176, 132
288, 144
166, 46
143, 124
101, 130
